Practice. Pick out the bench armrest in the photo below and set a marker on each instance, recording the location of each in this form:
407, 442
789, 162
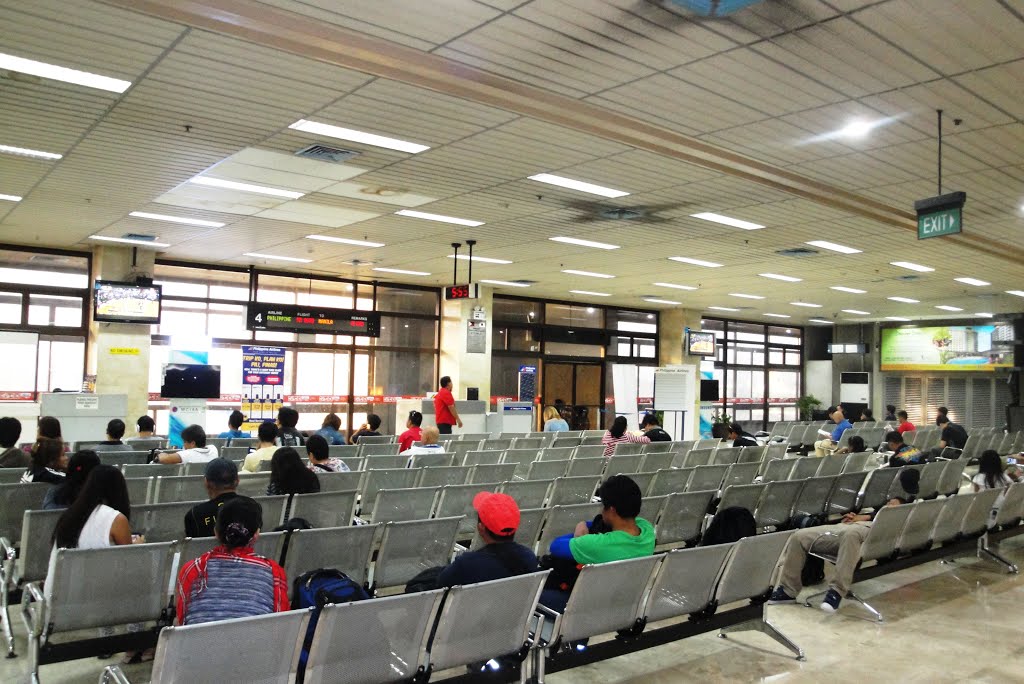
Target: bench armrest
34, 608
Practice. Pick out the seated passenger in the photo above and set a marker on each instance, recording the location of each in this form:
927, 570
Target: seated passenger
267, 434
651, 427
221, 483
867, 416
234, 431
904, 423
115, 431
843, 540
49, 461
902, 454
371, 428
289, 475
953, 435
232, 581
287, 419
738, 437
828, 445
413, 432
428, 444
48, 427
553, 421
854, 445
330, 430
617, 433
616, 534
992, 476
11, 456
145, 428
79, 466
496, 524
196, 449
99, 516
319, 454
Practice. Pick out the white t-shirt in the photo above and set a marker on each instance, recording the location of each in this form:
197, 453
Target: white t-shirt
422, 450
95, 534
1004, 482
199, 454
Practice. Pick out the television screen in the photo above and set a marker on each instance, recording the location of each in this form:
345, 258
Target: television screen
125, 302
700, 343
948, 348
709, 390
190, 381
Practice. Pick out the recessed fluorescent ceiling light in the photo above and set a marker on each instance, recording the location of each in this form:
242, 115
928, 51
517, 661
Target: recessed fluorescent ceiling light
695, 262
439, 217
357, 136
722, 308
776, 276
946, 307
912, 266
897, 318
1019, 293
745, 296
401, 271
857, 312
25, 152
592, 294
582, 186
851, 290
775, 315
589, 274
727, 220
505, 283
257, 255
858, 128
176, 219
245, 187
806, 304
984, 314
584, 243
482, 260
675, 287
972, 281
825, 244
59, 73
127, 241
655, 300
344, 241
905, 300
819, 320
10, 198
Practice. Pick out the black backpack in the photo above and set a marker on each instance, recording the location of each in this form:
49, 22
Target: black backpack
729, 525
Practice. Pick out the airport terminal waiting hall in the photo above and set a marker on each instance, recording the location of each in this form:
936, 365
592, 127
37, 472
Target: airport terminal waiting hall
724, 280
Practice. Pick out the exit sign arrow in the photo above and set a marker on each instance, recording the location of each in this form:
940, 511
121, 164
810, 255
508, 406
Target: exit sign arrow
938, 216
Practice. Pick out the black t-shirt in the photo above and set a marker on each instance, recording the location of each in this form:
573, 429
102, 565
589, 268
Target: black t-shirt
954, 435
292, 437
656, 434
201, 520
364, 433
742, 441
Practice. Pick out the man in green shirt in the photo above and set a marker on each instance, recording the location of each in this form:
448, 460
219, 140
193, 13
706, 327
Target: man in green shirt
618, 534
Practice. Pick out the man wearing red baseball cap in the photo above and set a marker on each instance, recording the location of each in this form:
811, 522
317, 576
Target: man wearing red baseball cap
501, 556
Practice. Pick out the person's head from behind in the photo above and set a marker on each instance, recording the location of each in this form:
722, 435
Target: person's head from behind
551, 413
289, 472
415, 419
49, 427
618, 427
373, 420
145, 426
857, 444
430, 435
194, 437
332, 421
942, 410
267, 432
317, 449
890, 409
115, 430
990, 464
80, 465
236, 419
620, 497
649, 421
497, 517
942, 419
287, 417
221, 476
49, 453
104, 485
735, 431
10, 432
239, 522
894, 440
902, 415
910, 481
867, 414
445, 382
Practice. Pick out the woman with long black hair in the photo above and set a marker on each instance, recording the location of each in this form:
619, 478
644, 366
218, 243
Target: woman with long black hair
98, 517
79, 466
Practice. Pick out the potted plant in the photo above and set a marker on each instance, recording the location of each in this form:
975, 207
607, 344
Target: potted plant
806, 405
720, 424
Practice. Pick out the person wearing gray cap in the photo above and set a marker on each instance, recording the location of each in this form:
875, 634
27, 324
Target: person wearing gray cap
221, 482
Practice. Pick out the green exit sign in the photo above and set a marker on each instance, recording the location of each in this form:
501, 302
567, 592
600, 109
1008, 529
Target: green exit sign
938, 216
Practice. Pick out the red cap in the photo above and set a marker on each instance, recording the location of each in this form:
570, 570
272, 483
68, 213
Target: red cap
498, 512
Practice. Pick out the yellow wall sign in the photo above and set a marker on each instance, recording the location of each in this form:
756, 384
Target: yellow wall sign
124, 351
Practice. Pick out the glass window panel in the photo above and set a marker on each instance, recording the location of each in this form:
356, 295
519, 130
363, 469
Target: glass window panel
19, 353
776, 356
316, 373
44, 268
407, 301
645, 381
271, 336
67, 364
183, 289
573, 315
568, 349
229, 323
158, 356
517, 310
407, 332
190, 322
215, 283
523, 339
54, 310
644, 349
230, 361
399, 373
505, 374
499, 338
10, 307
632, 321
361, 377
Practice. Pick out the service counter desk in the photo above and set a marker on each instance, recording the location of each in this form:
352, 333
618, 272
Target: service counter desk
472, 413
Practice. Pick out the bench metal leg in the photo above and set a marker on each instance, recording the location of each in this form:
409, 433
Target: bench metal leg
985, 552
5, 617
765, 627
850, 595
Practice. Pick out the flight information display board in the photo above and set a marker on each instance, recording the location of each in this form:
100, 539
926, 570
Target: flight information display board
316, 320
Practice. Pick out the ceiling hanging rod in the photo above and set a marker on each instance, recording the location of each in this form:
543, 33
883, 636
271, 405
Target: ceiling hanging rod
455, 267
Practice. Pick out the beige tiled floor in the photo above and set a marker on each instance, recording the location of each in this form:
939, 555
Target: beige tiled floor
944, 623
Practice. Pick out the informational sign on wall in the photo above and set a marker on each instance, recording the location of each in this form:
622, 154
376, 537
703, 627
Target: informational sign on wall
262, 381
476, 337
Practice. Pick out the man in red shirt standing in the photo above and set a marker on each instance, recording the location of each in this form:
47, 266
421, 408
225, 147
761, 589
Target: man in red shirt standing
445, 414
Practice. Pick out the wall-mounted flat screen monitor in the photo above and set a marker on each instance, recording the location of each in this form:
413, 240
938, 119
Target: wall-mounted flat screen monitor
700, 343
190, 381
125, 302
709, 390
948, 348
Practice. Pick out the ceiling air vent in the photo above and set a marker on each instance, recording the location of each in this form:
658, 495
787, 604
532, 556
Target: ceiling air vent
797, 252
713, 8
334, 155
139, 236
524, 281
909, 277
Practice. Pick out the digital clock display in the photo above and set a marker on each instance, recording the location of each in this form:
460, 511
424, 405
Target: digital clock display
460, 292
286, 318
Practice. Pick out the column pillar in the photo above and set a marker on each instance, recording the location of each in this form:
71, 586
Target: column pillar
126, 372
466, 369
672, 352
